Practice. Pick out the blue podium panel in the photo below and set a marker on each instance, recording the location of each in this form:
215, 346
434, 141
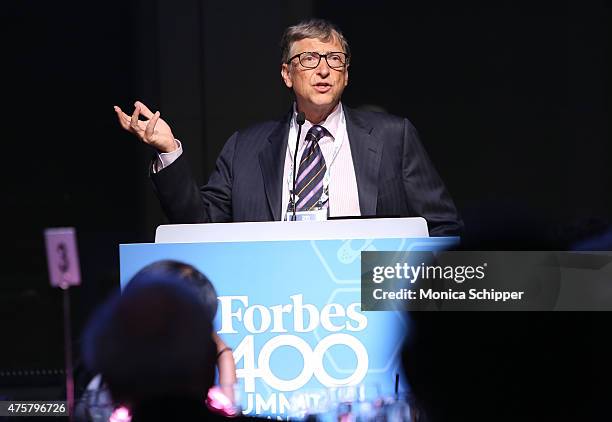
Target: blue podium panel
291, 312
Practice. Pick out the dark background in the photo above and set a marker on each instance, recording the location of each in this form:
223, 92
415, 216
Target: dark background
511, 100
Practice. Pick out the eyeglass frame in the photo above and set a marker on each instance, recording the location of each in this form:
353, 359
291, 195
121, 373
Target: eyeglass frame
344, 65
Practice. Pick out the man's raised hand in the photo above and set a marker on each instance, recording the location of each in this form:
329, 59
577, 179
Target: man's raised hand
153, 131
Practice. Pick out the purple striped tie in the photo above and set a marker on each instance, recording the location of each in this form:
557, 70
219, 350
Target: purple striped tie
312, 168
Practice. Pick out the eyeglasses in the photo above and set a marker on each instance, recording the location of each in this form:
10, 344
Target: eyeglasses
311, 59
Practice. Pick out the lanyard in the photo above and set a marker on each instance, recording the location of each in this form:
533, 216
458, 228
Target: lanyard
337, 142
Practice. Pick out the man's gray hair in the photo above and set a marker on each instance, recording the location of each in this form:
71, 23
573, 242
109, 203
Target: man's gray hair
312, 28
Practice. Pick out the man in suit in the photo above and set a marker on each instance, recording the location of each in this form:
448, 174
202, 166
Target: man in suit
351, 163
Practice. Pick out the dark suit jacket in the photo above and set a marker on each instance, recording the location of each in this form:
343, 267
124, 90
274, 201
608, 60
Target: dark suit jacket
394, 176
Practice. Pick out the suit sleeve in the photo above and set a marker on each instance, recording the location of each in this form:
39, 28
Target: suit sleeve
184, 202
426, 192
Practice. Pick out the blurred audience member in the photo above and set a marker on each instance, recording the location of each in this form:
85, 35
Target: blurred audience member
175, 271
153, 344
510, 366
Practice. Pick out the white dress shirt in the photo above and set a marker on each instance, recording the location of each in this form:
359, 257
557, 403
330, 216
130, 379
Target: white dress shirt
343, 195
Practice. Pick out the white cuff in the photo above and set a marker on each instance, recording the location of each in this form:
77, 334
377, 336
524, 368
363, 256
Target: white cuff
164, 159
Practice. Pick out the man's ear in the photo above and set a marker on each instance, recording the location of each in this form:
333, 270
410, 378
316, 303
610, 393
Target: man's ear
346, 77
286, 75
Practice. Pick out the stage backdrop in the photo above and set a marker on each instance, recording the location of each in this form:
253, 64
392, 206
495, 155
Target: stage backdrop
291, 312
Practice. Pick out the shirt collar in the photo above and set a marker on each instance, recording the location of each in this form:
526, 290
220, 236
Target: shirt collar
331, 123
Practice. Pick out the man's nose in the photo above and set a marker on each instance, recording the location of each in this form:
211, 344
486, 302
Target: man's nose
323, 69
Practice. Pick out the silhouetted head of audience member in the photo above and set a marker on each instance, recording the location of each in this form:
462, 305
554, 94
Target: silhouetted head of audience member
510, 366
153, 343
180, 272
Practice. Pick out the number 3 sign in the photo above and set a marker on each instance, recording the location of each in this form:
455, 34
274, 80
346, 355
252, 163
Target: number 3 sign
62, 257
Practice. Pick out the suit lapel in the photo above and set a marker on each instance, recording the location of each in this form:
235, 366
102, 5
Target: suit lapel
366, 151
272, 162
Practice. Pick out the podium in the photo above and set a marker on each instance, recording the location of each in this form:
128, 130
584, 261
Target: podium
289, 304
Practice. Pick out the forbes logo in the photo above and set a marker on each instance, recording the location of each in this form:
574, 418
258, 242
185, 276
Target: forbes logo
332, 317
294, 317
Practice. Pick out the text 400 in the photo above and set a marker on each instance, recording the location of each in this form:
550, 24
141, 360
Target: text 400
313, 362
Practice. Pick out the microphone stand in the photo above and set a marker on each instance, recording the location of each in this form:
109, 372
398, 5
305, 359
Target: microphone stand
300, 119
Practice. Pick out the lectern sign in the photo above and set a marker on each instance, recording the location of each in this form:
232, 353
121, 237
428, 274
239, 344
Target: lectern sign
290, 309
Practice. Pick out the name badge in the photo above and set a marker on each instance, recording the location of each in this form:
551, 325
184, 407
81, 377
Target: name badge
315, 215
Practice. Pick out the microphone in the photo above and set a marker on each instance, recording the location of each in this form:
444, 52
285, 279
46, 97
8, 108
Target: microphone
300, 119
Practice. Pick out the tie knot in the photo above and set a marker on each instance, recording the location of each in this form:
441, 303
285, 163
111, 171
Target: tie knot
317, 132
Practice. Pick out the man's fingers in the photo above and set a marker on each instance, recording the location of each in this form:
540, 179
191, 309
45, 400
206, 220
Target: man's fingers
150, 129
134, 121
144, 110
121, 114
124, 119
